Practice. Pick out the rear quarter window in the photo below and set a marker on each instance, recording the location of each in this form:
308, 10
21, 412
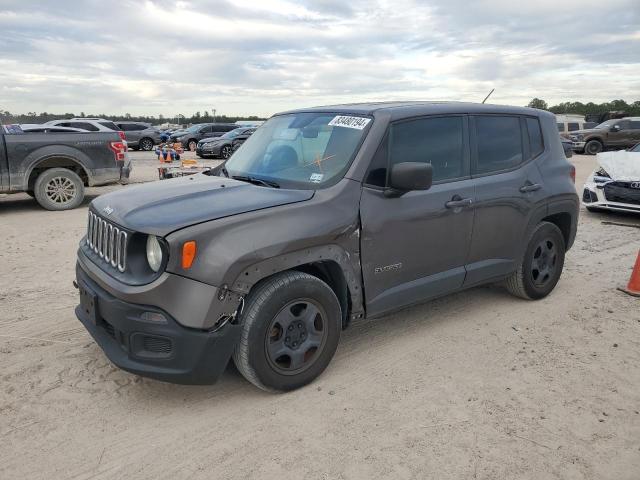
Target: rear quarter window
535, 136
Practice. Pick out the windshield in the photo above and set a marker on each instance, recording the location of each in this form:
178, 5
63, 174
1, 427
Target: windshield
300, 150
607, 124
636, 148
232, 133
194, 128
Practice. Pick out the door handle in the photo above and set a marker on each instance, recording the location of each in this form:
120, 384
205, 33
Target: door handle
457, 202
530, 187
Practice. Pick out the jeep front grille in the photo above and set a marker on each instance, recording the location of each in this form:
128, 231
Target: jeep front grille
107, 241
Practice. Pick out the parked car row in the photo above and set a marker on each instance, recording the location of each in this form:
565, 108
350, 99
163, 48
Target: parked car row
224, 145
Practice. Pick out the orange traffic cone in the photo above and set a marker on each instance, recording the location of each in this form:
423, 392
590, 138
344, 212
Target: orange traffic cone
633, 288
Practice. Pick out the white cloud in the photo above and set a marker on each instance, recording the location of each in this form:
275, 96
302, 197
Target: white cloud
165, 56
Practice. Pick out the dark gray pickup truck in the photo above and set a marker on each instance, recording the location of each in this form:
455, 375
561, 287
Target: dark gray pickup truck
322, 216
55, 167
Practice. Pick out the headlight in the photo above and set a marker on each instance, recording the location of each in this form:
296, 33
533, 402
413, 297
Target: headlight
154, 253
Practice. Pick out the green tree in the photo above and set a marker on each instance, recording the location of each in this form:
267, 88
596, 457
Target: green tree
538, 103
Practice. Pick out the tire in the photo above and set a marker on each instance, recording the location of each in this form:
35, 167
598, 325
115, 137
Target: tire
226, 151
268, 355
145, 144
192, 144
541, 266
59, 189
593, 147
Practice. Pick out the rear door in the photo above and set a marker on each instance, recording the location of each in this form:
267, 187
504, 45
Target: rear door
508, 187
415, 247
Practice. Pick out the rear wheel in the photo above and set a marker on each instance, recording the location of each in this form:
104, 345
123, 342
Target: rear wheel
542, 264
291, 327
59, 189
593, 147
145, 144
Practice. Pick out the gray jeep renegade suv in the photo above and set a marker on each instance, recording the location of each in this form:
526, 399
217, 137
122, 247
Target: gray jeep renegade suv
324, 215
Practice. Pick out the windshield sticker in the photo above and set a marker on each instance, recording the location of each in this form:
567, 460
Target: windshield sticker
316, 177
349, 122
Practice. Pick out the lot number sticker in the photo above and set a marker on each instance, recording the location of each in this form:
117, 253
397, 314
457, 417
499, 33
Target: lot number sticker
349, 122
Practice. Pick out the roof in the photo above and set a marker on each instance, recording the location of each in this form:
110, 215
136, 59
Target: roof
409, 109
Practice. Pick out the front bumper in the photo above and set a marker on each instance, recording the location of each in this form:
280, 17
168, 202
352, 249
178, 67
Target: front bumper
165, 350
578, 146
208, 150
593, 197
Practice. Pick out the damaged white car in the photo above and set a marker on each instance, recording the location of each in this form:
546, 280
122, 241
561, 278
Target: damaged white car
615, 185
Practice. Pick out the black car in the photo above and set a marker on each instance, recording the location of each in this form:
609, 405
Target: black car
224, 145
190, 136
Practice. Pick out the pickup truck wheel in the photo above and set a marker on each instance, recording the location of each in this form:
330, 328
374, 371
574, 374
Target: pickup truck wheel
59, 189
145, 144
593, 147
542, 264
291, 328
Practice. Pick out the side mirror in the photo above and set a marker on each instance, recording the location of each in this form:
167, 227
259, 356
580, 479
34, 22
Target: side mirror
408, 176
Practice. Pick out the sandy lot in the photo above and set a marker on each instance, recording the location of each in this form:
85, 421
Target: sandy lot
479, 385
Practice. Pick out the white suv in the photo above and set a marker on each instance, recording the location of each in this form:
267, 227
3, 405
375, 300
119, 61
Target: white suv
89, 124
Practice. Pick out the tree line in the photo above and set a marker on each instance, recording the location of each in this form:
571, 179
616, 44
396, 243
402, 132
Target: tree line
632, 109
7, 117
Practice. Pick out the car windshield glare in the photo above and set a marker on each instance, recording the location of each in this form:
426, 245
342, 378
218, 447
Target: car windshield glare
301, 150
232, 133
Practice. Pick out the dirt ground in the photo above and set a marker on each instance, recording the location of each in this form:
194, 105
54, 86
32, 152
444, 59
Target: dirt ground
478, 385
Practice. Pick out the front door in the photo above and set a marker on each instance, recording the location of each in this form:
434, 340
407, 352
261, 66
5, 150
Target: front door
415, 247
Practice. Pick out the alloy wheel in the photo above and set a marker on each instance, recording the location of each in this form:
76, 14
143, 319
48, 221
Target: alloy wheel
60, 190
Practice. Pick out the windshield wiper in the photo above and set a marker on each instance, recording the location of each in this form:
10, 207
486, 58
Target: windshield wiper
256, 181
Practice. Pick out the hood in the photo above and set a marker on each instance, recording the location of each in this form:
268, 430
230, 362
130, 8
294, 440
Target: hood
162, 207
213, 139
621, 165
589, 131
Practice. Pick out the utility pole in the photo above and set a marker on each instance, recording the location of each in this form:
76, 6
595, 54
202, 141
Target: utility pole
214, 114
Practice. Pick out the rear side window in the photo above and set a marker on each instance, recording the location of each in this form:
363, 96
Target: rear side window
572, 127
110, 126
499, 142
634, 124
560, 127
535, 136
84, 126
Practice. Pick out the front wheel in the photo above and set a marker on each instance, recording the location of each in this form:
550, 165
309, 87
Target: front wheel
291, 328
542, 264
593, 147
226, 151
146, 144
59, 189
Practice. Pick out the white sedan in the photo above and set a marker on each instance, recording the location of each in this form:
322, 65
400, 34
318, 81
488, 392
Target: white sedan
615, 185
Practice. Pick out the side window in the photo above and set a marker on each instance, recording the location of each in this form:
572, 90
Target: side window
436, 140
634, 124
560, 127
499, 143
64, 124
535, 136
572, 127
84, 126
624, 125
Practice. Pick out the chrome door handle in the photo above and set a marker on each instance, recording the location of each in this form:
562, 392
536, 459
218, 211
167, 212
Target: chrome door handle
458, 202
530, 187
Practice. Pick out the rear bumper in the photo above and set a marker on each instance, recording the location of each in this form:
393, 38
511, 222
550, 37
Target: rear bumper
163, 350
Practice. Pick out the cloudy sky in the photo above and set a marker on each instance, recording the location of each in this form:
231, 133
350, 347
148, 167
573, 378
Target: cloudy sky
240, 57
